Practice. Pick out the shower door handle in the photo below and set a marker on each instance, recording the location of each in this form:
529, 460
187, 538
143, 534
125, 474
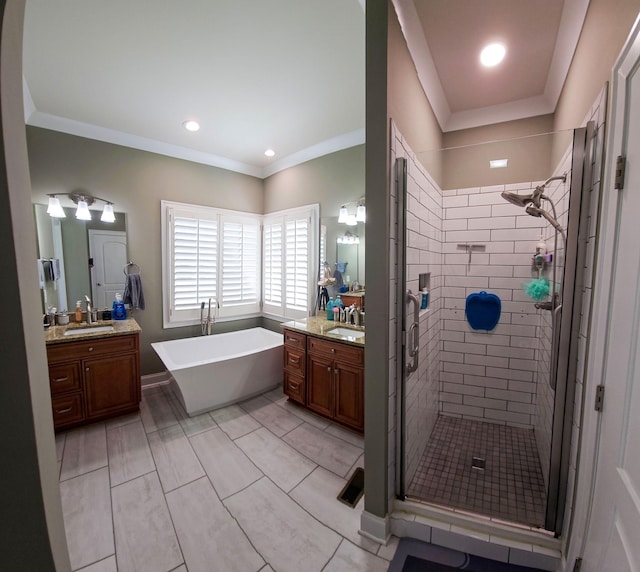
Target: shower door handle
413, 333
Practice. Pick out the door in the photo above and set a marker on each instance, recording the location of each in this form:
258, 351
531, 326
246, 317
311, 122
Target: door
349, 392
613, 537
108, 248
320, 384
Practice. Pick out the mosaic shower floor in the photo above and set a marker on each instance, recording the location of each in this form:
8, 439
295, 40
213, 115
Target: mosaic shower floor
485, 468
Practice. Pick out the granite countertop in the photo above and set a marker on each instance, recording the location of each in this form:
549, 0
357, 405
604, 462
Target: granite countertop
55, 334
319, 326
358, 294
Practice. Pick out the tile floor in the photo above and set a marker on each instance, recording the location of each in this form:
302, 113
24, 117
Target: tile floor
510, 486
251, 487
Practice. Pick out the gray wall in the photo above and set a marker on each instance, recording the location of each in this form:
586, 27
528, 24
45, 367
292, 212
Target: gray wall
330, 180
136, 181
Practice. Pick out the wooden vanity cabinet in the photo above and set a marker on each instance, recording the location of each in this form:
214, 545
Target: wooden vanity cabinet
94, 379
295, 364
335, 381
331, 382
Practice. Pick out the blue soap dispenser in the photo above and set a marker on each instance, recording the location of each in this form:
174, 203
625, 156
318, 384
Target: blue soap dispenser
119, 311
330, 309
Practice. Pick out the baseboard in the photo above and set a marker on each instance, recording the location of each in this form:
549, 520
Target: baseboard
155, 379
374, 527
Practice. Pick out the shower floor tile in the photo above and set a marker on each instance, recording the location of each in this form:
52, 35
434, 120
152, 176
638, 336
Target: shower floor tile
510, 486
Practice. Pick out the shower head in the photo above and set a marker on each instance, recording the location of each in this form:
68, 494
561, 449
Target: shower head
533, 198
516, 199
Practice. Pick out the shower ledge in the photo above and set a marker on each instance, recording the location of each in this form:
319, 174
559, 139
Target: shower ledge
519, 542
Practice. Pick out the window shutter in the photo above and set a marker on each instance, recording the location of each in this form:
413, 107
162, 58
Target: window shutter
240, 249
195, 254
297, 265
273, 264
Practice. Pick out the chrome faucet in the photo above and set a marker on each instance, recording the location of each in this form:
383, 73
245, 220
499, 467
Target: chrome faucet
89, 321
206, 324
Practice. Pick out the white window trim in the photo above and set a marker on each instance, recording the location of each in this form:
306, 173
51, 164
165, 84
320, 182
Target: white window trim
222, 314
312, 211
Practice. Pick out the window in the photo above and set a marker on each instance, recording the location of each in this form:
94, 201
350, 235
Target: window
290, 262
209, 255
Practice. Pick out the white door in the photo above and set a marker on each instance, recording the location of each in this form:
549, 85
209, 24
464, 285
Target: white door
108, 248
613, 541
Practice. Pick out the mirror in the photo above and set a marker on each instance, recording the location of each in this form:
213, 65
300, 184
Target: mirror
69, 241
351, 257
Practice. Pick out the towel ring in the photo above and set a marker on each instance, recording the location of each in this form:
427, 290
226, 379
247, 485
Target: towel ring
131, 268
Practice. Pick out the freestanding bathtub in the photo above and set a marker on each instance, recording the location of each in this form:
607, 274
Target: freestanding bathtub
214, 371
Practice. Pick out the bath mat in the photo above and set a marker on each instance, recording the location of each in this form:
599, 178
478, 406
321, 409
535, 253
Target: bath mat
483, 310
416, 556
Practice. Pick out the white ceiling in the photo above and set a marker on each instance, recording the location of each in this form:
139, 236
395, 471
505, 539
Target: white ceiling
283, 74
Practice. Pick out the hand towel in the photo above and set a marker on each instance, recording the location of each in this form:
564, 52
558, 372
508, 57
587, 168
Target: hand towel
133, 294
41, 273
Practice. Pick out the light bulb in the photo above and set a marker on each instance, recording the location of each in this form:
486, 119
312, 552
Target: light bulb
82, 212
55, 208
107, 214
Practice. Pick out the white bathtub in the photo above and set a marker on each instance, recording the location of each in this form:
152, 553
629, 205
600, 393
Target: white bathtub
214, 371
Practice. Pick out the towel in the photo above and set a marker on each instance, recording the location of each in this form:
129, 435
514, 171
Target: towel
133, 294
341, 267
41, 273
54, 270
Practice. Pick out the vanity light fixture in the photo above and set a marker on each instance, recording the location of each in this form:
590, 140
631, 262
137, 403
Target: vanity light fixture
492, 54
83, 202
353, 218
498, 163
269, 152
348, 238
191, 125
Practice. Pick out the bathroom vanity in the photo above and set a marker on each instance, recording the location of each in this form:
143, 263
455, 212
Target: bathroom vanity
93, 375
325, 372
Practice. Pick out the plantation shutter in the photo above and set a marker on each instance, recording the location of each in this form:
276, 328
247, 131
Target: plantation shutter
273, 249
195, 260
240, 263
297, 265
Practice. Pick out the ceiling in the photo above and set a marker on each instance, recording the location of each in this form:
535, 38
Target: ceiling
284, 74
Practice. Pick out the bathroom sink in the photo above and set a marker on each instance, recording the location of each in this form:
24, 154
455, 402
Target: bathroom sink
88, 330
346, 333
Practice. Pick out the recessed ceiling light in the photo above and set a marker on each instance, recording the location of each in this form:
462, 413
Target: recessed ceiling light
191, 125
498, 163
492, 55
269, 152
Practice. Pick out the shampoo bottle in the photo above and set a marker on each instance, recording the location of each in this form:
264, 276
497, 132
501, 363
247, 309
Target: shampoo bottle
119, 312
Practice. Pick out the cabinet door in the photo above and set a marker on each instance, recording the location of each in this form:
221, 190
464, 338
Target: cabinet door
294, 387
111, 385
320, 384
349, 395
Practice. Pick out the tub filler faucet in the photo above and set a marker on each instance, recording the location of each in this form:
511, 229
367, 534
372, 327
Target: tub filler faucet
206, 324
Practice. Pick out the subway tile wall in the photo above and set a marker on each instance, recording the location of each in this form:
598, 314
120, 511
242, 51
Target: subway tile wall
489, 376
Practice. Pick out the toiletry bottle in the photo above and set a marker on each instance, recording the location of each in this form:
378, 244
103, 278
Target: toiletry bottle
338, 302
78, 311
119, 312
425, 299
330, 309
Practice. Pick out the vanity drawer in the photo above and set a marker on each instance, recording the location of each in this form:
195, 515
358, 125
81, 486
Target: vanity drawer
294, 339
336, 350
294, 387
89, 348
67, 410
64, 377
294, 361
